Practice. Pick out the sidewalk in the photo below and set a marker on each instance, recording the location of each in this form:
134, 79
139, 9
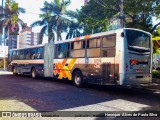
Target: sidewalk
4, 72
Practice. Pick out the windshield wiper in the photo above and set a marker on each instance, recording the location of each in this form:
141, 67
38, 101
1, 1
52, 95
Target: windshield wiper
138, 49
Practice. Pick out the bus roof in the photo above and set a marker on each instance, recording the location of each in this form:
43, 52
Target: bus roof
97, 35
39, 45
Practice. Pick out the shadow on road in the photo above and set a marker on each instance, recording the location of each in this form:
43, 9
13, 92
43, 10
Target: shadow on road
46, 94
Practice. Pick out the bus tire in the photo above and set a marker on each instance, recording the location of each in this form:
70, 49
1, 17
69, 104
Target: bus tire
14, 71
33, 73
78, 79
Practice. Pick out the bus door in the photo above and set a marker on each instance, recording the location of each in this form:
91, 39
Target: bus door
48, 59
108, 58
108, 70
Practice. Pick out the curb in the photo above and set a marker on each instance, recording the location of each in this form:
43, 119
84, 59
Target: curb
155, 80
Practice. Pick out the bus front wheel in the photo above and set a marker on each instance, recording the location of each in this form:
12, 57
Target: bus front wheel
78, 79
14, 71
33, 73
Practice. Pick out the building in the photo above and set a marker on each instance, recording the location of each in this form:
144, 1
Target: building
13, 41
3, 51
34, 38
1, 39
27, 38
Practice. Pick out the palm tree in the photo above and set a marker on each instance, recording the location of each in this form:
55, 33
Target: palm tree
46, 24
74, 26
9, 18
53, 19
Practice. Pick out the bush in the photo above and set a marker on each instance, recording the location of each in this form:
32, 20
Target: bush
156, 74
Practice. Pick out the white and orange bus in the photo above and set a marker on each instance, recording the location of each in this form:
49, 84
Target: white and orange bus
119, 57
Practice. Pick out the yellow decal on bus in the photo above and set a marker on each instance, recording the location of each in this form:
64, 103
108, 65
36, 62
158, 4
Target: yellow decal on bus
62, 70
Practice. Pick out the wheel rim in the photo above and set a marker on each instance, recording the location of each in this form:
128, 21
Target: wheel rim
33, 73
14, 71
77, 79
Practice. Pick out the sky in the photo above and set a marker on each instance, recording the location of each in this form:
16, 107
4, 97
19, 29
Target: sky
32, 8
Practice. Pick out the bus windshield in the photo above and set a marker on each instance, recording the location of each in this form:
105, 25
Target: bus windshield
138, 40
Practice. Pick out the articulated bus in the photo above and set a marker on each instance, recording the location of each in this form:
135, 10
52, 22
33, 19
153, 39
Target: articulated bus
118, 57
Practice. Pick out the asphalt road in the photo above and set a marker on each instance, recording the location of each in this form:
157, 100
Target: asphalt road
22, 93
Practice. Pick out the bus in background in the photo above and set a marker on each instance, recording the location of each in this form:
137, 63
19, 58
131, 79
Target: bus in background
118, 57
32, 60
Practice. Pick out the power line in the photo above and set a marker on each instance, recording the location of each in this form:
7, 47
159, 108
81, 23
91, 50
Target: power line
100, 3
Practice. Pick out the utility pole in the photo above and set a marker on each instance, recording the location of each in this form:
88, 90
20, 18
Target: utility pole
122, 16
4, 28
2, 3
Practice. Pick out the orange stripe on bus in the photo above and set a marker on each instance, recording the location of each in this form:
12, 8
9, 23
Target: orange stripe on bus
87, 36
77, 38
57, 69
64, 62
62, 71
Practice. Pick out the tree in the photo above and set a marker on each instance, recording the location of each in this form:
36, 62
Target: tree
46, 23
97, 14
9, 18
141, 13
74, 27
55, 19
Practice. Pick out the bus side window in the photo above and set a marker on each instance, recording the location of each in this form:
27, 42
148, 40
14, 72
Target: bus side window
108, 46
93, 47
32, 56
77, 49
39, 53
10, 56
21, 55
63, 50
28, 54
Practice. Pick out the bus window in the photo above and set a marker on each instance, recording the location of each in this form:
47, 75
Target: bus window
108, 46
78, 53
33, 52
10, 56
78, 49
77, 45
62, 50
137, 38
93, 47
108, 52
39, 53
14, 53
109, 41
94, 52
21, 54
94, 43
84, 44
28, 54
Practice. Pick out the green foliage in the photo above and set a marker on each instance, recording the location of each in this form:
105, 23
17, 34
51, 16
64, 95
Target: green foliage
97, 14
53, 19
10, 16
156, 73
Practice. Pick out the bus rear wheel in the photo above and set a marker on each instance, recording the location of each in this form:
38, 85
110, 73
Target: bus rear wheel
33, 73
78, 79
